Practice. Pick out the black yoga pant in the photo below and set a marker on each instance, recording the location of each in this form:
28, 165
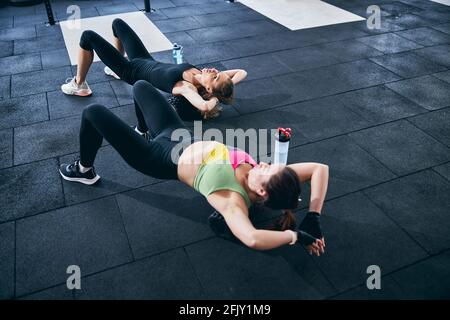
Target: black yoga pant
110, 56
153, 157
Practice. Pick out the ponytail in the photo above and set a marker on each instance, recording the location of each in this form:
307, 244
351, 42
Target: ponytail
287, 221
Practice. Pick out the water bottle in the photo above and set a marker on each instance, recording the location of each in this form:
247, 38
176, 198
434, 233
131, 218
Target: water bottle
282, 138
177, 54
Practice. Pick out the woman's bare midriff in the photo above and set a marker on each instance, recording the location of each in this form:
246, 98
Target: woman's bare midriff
191, 159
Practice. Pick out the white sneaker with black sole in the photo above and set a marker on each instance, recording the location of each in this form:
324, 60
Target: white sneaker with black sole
72, 88
71, 172
111, 73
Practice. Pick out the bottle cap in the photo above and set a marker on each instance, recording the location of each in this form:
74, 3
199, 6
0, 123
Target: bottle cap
284, 134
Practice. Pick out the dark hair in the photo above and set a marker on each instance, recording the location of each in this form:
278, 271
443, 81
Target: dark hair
223, 92
283, 191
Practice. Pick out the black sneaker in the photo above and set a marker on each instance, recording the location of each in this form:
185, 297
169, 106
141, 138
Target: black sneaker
71, 172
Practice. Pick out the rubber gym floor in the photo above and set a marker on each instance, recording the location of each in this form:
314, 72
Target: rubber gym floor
372, 104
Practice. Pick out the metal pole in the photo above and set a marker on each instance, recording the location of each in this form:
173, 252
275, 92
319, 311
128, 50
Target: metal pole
48, 7
147, 6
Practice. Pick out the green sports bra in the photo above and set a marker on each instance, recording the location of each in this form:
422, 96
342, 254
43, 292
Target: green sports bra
216, 173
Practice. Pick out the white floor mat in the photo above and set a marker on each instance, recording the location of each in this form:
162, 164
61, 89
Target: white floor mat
445, 2
301, 14
153, 39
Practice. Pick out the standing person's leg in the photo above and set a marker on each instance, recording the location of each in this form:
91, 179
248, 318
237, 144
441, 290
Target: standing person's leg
128, 40
153, 111
97, 123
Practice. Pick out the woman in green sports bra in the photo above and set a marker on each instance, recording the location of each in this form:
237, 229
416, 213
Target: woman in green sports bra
206, 166
229, 186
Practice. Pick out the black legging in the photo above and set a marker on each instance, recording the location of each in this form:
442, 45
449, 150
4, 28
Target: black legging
110, 56
153, 157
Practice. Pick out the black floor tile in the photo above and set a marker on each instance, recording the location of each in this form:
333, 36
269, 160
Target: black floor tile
116, 8
55, 58
155, 4
163, 217
408, 64
390, 290
259, 66
324, 118
6, 22
230, 17
61, 105
444, 170
333, 79
38, 81
178, 24
23, 110
30, 189
46, 139
30, 20
48, 30
289, 271
7, 249
6, 139
379, 104
419, 204
349, 50
389, 43
89, 235
431, 279
402, 147
5, 87
428, 92
273, 42
6, 48
445, 76
20, 64
123, 92
39, 44
56, 293
354, 235
18, 33
351, 168
116, 176
181, 38
235, 31
436, 124
443, 27
408, 21
304, 58
425, 36
387, 24
16, 11
209, 53
165, 276
438, 54
153, 16
261, 94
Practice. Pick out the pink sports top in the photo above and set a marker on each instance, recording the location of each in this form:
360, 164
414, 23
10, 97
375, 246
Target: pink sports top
238, 157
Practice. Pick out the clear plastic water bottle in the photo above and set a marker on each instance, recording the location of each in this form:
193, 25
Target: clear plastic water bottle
177, 54
282, 138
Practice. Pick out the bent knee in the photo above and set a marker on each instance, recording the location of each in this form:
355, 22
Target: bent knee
93, 110
87, 38
117, 22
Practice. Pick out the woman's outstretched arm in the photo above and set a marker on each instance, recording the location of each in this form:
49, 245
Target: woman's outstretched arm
232, 206
317, 173
236, 75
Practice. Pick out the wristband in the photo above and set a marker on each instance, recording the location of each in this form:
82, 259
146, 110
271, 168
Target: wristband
294, 237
